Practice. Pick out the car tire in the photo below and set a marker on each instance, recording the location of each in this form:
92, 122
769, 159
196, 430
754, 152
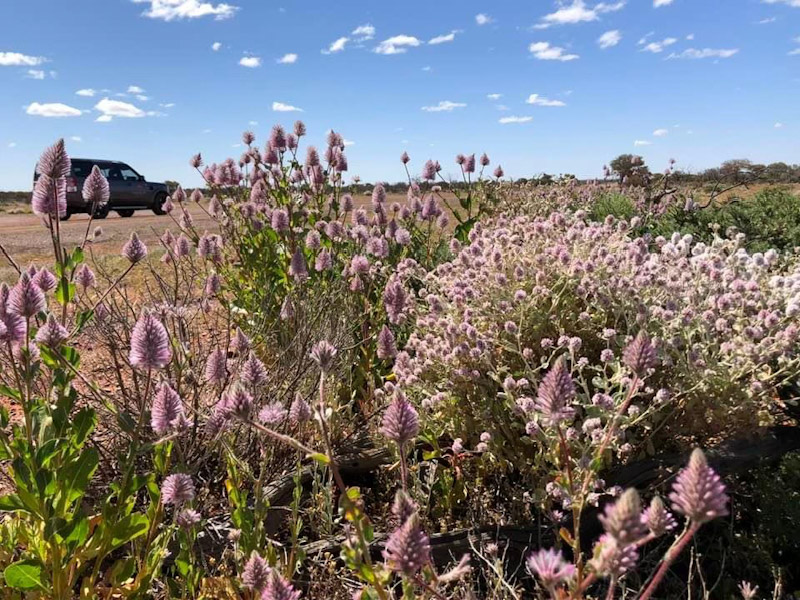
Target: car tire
100, 212
125, 213
65, 217
158, 204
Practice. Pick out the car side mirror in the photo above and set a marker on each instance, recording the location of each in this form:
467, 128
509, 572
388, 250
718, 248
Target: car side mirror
142, 178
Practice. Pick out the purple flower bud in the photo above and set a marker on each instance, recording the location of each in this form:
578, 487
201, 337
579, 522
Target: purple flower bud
556, 391
167, 409
95, 188
212, 285
698, 492
196, 161
657, 518
429, 171
299, 128
550, 567
187, 518
611, 558
248, 137
484, 160
623, 519
279, 589
54, 161
134, 249
277, 138
400, 421
150, 347
256, 573
26, 299
378, 194
404, 158
216, 370
280, 220
52, 333
272, 414
395, 299
403, 508
312, 157
469, 164
177, 489
297, 266
299, 411
386, 347
253, 372
323, 353
324, 261
45, 280
640, 355
498, 172
49, 197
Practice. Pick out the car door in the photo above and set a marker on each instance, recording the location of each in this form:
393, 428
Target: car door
136, 188
116, 184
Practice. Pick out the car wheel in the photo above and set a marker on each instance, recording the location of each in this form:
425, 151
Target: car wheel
158, 204
100, 212
65, 217
125, 213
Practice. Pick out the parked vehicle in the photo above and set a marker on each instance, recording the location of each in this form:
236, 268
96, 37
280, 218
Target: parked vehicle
130, 191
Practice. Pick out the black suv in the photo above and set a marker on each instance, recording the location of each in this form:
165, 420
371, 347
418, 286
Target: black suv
129, 190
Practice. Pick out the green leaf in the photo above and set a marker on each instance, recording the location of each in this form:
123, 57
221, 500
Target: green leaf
10, 392
24, 575
65, 291
83, 318
128, 529
320, 458
12, 503
77, 475
83, 423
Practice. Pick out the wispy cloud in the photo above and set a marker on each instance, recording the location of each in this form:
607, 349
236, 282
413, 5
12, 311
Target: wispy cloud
507, 120
577, 12
52, 109
609, 39
216, 46
337, 46
251, 62
288, 59
16, 59
444, 106
76, 138
794, 52
171, 10
442, 39
656, 47
778, 125
36, 74
494, 96
116, 108
12, 144
86, 93
135, 89
660, 132
281, 107
483, 19
694, 53
362, 33
538, 100
767, 20
658, 3
545, 51
398, 44
638, 143
793, 3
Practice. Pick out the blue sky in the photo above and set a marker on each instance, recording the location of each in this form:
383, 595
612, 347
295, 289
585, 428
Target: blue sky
540, 85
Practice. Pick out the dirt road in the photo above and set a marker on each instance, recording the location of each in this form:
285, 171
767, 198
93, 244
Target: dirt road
27, 240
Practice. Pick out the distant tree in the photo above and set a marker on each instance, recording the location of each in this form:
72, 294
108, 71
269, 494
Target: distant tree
171, 185
778, 172
629, 168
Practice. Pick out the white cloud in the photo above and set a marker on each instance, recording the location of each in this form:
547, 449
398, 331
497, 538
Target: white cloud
349, 143
288, 59
427, 68
15, 59
444, 106
656, 47
104, 119
794, 52
638, 143
507, 120
644, 38
167, 105
35, 74
609, 39
767, 20
658, 3
441, 39
660, 132
544, 51
793, 3
117, 108
364, 32
337, 46
251, 62
135, 89
397, 44
538, 100
281, 107
216, 46
12, 144
578, 12
778, 125
483, 19
501, 107
494, 96
87, 92
53, 109
694, 53
76, 138
690, 37
169, 10
142, 97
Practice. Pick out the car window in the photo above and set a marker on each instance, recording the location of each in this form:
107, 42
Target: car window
129, 174
111, 172
81, 168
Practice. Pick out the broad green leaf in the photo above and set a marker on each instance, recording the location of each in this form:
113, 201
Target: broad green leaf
24, 575
128, 529
78, 474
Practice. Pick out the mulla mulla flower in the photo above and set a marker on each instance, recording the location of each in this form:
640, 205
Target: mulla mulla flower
555, 394
623, 519
52, 333
85, 276
256, 573
177, 489
279, 588
400, 421
323, 353
216, 370
386, 348
26, 299
640, 355
54, 162
150, 345
167, 409
95, 189
550, 568
45, 280
658, 518
134, 249
408, 548
698, 492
